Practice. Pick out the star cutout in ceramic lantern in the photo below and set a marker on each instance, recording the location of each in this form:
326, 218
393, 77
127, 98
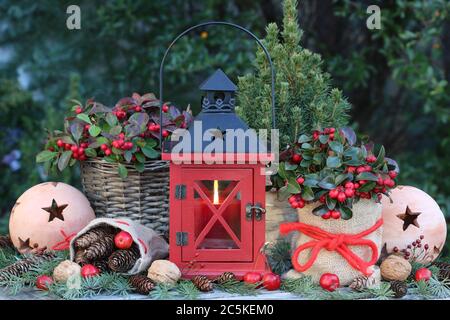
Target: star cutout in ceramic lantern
55, 211
25, 244
409, 218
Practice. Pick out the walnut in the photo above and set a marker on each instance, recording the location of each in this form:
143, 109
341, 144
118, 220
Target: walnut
164, 271
395, 268
66, 270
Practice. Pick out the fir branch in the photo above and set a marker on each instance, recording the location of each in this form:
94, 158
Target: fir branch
7, 257
187, 290
383, 292
239, 288
279, 256
162, 292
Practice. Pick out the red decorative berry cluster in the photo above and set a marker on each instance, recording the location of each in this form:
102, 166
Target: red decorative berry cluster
329, 168
418, 250
128, 133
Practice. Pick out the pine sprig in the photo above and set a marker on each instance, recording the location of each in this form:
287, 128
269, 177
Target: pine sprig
162, 292
279, 256
187, 290
239, 288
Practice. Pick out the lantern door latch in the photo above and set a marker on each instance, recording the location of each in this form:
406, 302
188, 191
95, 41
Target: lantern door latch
257, 210
182, 238
180, 191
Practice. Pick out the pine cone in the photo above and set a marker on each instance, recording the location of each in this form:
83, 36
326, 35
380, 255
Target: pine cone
123, 260
141, 284
80, 257
359, 283
399, 288
5, 242
92, 236
202, 283
102, 265
225, 277
102, 248
22, 266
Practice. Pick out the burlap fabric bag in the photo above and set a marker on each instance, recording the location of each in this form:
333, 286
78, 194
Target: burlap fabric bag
151, 245
366, 213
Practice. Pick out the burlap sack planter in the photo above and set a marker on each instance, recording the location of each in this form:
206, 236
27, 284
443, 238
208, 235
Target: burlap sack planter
151, 245
366, 214
142, 197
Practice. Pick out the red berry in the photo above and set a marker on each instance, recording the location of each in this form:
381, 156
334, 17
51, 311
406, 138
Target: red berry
108, 152
423, 274
138, 109
271, 281
74, 149
349, 193
43, 282
165, 133
351, 169
322, 199
123, 240
367, 168
165, 108
67, 146
329, 281
78, 110
333, 194
292, 198
356, 185
80, 151
422, 237
371, 159
327, 215
349, 185
252, 277
335, 214
82, 157
89, 270
104, 147
341, 197
87, 127
301, 204
332, 130
361, 182
294, 204
331, 136
392, 174
300, 180
60, 143
360, 170
296, 158
379, 196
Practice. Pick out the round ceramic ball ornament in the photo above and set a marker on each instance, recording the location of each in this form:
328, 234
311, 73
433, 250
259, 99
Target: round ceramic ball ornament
47, 215
414, 225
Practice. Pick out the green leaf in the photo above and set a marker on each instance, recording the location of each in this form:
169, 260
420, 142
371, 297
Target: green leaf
305, 163
307, 146
111, 119
45, 156
283, 193
116, 151
323, 138
310, 182
336, 147
380, 157
140, 157
64, 160
293, 186
367, 186
140, 167
317, 159
282, 170
128, 155
331, 203
367, 176
123, 172
290, 166
94, 130
341, 178
151, 143
307, 193
77, 131
150, 152
334, 162
84, 117
327, 183
304, 138
346, 213
320, 210
115, 130
91, 152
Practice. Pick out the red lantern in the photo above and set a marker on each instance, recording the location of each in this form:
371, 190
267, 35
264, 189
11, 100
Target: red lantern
217, 199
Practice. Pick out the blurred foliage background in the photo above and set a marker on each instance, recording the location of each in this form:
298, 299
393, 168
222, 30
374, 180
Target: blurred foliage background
395, 78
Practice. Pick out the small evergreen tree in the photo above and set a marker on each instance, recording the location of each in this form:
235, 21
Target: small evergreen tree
305, 99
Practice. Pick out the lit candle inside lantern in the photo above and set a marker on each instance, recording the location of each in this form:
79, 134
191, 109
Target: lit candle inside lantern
216, 192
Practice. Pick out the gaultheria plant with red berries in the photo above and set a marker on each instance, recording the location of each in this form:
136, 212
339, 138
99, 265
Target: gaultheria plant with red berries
330, 168
128, 133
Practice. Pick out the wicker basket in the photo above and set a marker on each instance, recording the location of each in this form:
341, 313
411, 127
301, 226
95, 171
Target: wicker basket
142, 197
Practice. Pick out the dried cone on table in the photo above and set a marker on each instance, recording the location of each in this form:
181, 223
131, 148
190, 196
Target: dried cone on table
92, 236
400, 288
123, 260
102, 248
141, 284
22, 266
80, 257
102, 265
360, 283
225, 277
202, 283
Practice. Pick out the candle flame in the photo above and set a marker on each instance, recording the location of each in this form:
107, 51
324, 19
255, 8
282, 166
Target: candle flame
216, 192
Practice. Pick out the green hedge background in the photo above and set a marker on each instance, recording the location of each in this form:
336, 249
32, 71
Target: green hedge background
395, 78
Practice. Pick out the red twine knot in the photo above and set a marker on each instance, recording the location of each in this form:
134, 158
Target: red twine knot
333, 242
65, 244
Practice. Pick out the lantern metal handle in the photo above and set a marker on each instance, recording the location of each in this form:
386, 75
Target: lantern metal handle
223, 23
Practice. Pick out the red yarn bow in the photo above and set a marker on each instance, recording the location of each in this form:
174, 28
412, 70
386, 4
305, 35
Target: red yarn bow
65, 244
333, 242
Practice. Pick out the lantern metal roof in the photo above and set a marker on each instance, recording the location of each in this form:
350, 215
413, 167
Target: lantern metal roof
218, 81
